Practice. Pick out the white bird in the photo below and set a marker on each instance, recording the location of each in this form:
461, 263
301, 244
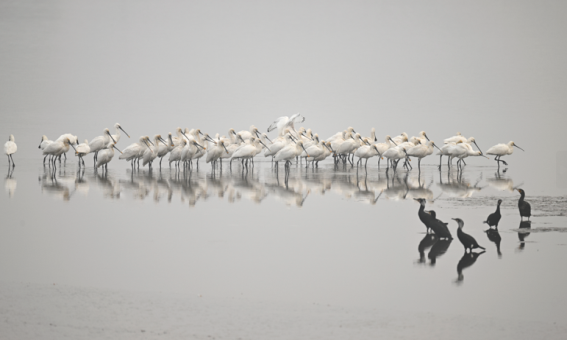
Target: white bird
500, 150
253, 132
401, 138
131, 152
56, 148
106, 155
286, 122
422, 150
423, 137
382, 147
340, 135
326, 153
395, 154
82, 150
73, 140
278, 144
43, 144
100, 142
165, 148
175, 154
216, 151
10, 148
151, 152
247, 151
290, 152
314, 151
366, 151
116, 136
458, 137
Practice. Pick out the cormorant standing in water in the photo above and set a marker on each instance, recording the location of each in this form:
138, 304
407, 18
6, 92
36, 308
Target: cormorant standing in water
523, 206
431, 222
467, 240
439, 227
494, 218
423, 216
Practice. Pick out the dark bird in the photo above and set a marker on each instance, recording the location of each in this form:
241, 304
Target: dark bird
431, 222
494, 236
523, 206
467, 240
423, 216
439, 227
466, 261
494, 218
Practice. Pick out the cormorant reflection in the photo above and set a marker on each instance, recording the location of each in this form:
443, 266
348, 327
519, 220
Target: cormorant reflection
426, 243
439, 248
523, 234
466, 261
494, 236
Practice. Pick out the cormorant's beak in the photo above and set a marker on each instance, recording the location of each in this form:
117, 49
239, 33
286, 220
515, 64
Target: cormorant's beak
519, 147
120, 127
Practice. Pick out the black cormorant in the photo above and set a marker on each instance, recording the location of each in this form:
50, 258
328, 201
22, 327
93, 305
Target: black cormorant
494, 218
467, 240
439, 227
523, 206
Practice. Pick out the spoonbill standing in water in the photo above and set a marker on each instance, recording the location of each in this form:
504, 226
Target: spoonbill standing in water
500, 150
10, 148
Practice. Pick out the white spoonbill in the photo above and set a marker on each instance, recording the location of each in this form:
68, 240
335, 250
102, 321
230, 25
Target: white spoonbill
366, 151
500, 150
215, 152
73, 140
131, 152
247, 151
100, 142
55, 149
175, 154
253, 132
289, 152
10, 148
82, 150
394, 155
286, 122
43, 144
106, 155
165, 148
382, 147
326, 153
116, 136
422, 150
151, 152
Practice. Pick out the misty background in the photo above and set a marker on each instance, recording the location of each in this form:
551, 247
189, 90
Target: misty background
492, 70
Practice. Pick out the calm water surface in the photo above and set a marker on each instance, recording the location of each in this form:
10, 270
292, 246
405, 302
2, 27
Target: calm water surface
328, 235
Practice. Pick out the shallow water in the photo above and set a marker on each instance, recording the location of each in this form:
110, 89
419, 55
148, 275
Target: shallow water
332, 235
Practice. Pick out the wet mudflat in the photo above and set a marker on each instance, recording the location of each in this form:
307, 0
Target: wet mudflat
333, 236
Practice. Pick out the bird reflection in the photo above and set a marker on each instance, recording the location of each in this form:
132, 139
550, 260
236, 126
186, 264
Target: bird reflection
494, 236
10, 183
502, 183
253, 184
457, 186
466, 261
439, 248
522, 235
426, 243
